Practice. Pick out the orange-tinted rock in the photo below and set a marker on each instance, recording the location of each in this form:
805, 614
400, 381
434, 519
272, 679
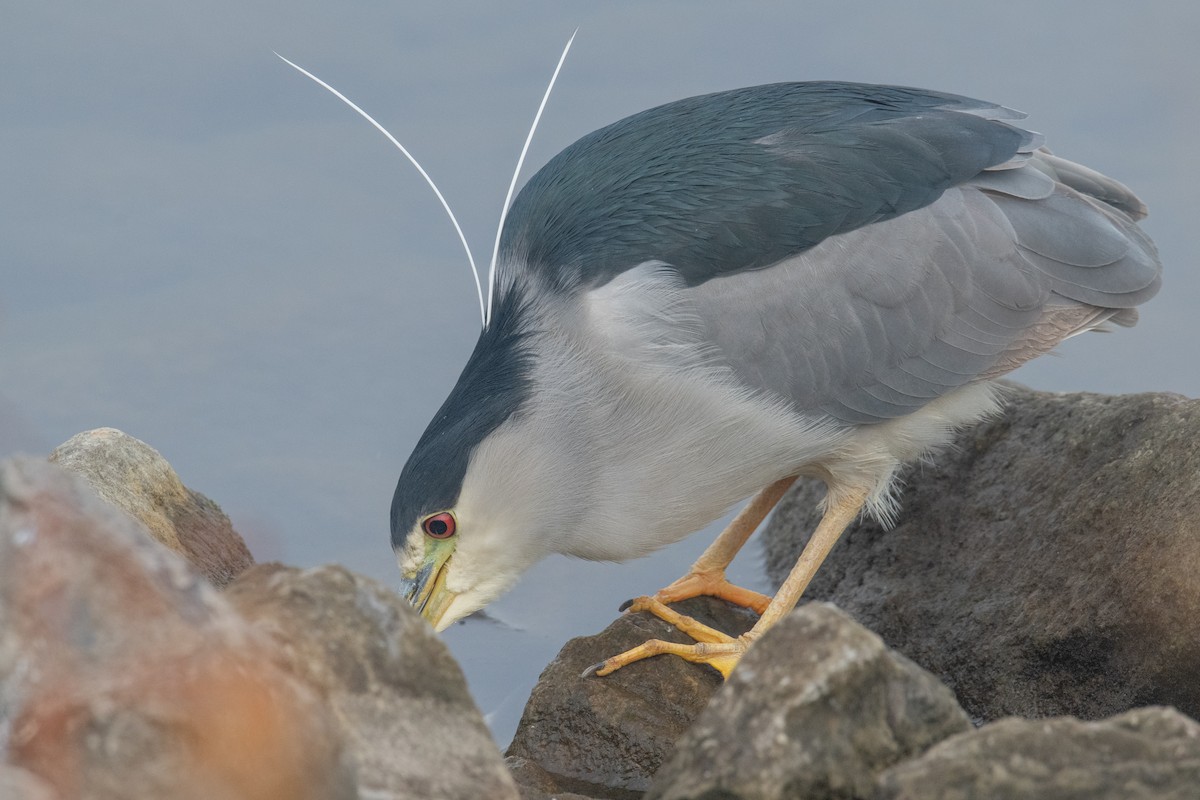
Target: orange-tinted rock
123, 671
410, 724
134, 477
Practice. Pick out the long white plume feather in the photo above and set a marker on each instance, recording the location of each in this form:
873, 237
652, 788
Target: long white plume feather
513, 184
483, 311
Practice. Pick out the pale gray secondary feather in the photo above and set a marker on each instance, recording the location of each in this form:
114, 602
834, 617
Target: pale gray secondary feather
873, 323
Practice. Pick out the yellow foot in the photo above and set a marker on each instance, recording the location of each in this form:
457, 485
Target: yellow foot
713, 584
720, 651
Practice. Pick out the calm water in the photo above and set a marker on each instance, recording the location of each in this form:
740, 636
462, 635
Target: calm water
205, 250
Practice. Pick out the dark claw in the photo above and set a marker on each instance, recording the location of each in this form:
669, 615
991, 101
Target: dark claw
625, 606
590, 671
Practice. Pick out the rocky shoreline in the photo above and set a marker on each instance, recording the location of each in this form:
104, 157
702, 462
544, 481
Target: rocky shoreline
1027, 630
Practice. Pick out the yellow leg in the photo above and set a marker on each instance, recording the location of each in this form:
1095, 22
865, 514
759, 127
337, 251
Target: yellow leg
837, 518
707, 575
719, 650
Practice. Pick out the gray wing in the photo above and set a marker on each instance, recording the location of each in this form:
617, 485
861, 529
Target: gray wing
873, 323
740, 180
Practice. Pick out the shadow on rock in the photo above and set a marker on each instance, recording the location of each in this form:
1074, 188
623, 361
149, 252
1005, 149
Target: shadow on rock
1048, 564
607, 737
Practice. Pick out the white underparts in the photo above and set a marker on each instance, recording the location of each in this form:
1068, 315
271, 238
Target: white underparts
871, 455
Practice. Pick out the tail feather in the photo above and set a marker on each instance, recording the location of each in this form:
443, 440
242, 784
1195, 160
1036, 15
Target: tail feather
1090, 182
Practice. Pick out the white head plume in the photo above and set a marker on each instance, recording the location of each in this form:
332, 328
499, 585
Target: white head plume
461, 237
516, 173
485, 309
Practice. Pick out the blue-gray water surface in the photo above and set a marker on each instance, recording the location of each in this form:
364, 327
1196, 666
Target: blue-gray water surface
206, 250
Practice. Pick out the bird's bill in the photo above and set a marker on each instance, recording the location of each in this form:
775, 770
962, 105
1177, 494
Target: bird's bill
426, 590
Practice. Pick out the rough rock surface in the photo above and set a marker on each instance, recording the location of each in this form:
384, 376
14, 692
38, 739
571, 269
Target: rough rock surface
817, 708
123, 674
409, 721
1147, 754
530, 793
606, 737
132, 475
1049, 564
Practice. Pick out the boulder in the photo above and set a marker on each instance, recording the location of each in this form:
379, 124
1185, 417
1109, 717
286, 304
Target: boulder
409, 721
1045, 565
123, 674
816, 709
1146, 754
607, 737
132, 476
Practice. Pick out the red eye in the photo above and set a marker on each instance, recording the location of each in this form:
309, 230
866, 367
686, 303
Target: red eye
439, 526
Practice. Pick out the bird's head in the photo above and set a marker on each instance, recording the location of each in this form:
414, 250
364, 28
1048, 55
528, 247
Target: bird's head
481, 498
465, 529
454, 562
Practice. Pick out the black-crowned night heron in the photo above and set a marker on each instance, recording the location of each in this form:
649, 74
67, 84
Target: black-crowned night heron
707, 299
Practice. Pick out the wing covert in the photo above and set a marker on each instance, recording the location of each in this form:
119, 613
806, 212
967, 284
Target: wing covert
741, 180
873, 323
855, 250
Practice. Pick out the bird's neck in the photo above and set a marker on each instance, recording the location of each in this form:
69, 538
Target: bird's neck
663, 445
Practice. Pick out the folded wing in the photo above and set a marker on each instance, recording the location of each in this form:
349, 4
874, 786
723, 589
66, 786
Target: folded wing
873, 323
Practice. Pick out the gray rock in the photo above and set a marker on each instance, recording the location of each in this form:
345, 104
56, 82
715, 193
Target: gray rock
19, 784
408, 718
1147, 754
123, 674
529, 792
132, 475
606, 737
1046, 565
817, 708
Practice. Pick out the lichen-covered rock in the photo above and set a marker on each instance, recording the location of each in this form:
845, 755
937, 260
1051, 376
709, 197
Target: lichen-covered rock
132, 475
817, 708
124, 675
607, 737
409, 721
1147, 754
1045, 565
